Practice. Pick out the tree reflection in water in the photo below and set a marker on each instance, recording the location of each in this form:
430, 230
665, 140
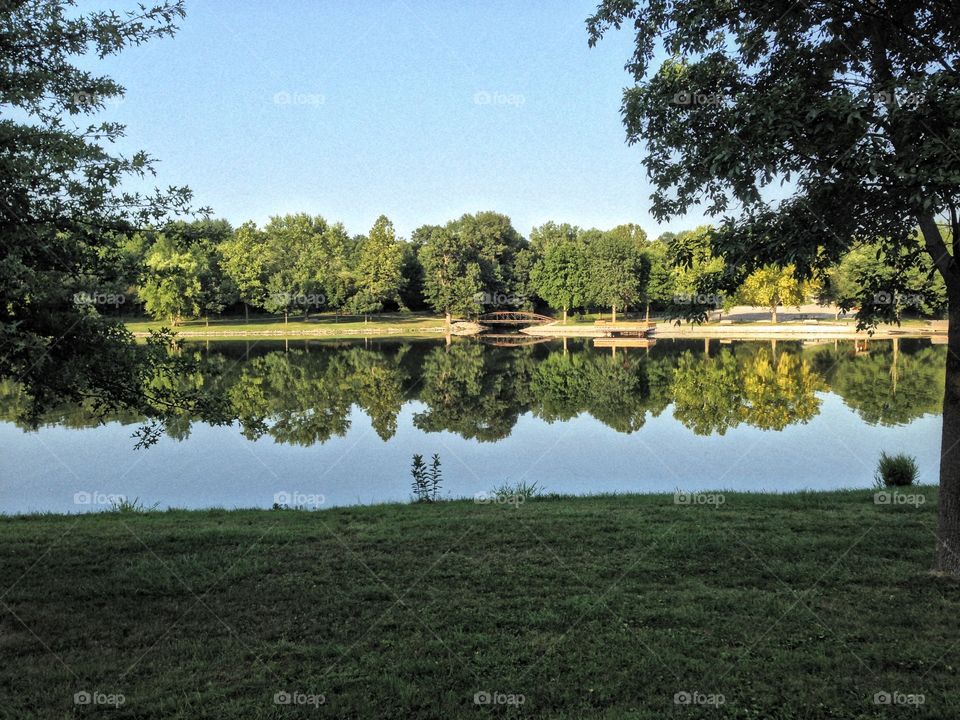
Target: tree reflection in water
303, 393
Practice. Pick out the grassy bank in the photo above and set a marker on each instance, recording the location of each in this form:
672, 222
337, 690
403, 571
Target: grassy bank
324, 324
792, 606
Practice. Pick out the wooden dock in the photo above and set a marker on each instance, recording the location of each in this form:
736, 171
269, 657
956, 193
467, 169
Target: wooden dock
599, 329
624, 342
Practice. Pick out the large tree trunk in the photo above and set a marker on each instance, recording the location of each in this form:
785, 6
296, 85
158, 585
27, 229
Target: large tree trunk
647, 315
613, 314
773, 313
948, 524
564, 316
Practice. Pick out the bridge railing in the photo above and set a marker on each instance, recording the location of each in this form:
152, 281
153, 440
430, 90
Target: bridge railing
514, 317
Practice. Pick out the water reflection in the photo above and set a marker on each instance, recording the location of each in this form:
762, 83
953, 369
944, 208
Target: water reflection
303, 393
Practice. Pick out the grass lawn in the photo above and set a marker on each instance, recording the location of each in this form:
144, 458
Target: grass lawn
325, 323
790, 606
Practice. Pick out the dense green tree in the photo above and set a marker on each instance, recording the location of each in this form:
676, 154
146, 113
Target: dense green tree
379, 271
452, 276
771, 286
660, 288
171, 285
617, 272
857, 105
696, 273
411, 287
297, 262
561, 276
244, 259
868, 275
217, 290
523, 295
65, 203
550, 233
126, 254
495, 245
294, 261
630, 232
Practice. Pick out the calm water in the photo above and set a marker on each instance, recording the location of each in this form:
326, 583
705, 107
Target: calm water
338, 423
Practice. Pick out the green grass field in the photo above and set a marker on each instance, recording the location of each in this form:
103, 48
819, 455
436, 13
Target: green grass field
324, 323
781, 606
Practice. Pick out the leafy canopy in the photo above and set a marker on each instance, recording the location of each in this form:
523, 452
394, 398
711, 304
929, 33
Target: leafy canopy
64, 210
856, 106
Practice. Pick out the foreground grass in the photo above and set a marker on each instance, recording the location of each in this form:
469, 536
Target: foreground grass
792, 606
322, 323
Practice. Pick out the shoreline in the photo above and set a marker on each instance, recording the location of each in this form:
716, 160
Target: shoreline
489, 498
281, 334
831, 331
744, 331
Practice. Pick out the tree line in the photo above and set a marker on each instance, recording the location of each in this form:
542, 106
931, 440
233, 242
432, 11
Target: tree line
298, 264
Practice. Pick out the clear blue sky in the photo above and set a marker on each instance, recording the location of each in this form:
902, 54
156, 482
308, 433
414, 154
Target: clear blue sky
418, 110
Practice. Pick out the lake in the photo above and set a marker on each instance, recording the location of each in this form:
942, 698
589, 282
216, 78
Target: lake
336, 423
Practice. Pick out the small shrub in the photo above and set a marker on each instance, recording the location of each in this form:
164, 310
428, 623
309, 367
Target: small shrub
521, 489
131, 506
896, 470
436, 477
426, 480
418, 470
